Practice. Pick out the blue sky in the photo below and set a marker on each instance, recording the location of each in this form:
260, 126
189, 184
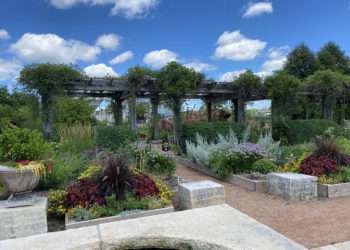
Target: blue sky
215, 37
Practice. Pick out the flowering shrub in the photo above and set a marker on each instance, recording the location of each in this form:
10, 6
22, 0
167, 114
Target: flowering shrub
165, 193
143, 186
83, 193
318, 165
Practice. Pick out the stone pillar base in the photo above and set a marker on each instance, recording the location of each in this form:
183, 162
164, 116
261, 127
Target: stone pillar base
200, 194
23, 221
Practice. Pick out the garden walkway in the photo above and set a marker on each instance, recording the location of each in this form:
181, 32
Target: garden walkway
312, 223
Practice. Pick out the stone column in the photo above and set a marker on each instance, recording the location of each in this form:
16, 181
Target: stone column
117, 109
47, 114
240, 110
234, 110
209, 110
132, 113
327, 108
155, 117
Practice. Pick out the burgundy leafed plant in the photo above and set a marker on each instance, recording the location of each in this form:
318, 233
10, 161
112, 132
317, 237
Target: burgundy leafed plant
318, 165
144, 186
115, 177
83, 193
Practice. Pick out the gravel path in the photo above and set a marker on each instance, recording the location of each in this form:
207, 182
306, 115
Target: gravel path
312, 223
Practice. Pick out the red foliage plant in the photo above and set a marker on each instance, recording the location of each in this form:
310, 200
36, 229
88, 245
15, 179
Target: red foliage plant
144, 186
318, 165
83, 193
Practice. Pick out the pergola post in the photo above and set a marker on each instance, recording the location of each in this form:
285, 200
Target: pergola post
132, 113
240, 110
234, 110
47, 114
209, 105
327, 108
155, 117
117, 109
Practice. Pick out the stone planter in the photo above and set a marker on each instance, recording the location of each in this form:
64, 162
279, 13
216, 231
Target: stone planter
334, 190
18, 181
249, 182
70, 224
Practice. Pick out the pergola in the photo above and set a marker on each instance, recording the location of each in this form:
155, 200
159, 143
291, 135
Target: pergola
118, 91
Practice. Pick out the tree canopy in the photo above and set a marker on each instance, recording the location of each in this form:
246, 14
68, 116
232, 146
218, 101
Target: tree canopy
333, 58
248, 84
47, 78
301, 62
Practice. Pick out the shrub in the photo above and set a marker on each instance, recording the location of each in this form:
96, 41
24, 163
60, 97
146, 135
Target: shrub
264, 166
224, 162
83, 193
115, 177
318, 165
66, 167
210, 130
22, 144
301, 131
165, 193
159, 164
344, 144
293, 165
114, 137
56, 203
144, 186
295, 151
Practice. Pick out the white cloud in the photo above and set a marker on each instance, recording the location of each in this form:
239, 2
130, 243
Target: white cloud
235, 46
100, 70
39, 48
108, 41
122, 57
257, 9
4, 34
9, 70
231, 76
159, 58
126, 8
200, 67
276, 60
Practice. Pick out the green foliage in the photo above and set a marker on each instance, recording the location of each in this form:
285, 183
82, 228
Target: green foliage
178, 81
326, 82
248, 84
138, 76
70, 111
159, 164
114, 137
76, 138
331, 57
22, 144
47, 78
67, 167
225, 162
92, 171
264, 166
344, 144
301, 131
295, 151
56, 203
301, 62
18, 108
210, 130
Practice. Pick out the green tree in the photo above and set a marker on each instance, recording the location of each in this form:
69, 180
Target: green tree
301, 62
332, 57
329, 85
47, 80
19, 109
248, 84
177, 82
282, 88
70, 111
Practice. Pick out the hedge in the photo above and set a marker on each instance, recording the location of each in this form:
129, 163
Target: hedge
301, 131
114, 137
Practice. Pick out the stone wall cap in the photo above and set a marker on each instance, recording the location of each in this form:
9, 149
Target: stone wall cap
201, 185
295, 176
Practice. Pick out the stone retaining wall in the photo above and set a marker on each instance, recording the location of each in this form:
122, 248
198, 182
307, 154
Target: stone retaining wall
334, 190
